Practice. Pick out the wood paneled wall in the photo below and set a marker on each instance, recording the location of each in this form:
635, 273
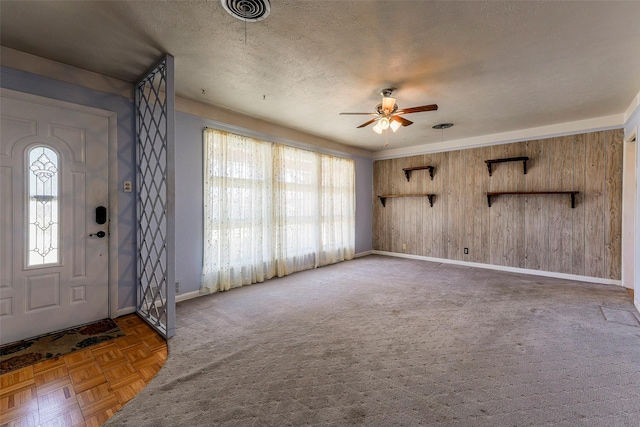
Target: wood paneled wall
539, 232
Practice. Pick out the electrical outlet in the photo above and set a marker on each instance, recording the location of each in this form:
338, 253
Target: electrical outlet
404, 246
127, 188
466, 251
177, 287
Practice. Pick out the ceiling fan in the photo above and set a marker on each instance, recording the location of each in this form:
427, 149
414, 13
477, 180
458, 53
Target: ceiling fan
388, 115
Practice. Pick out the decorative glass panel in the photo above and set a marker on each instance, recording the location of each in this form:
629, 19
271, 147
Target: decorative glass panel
43, 179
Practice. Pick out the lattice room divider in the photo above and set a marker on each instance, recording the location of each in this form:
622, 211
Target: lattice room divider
155, 111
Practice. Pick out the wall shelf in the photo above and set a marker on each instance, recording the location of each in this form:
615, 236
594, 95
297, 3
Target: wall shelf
407, 171
497, 193
509, 159
383, 199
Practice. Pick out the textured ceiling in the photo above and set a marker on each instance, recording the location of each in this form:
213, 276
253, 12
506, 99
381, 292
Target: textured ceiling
492, 67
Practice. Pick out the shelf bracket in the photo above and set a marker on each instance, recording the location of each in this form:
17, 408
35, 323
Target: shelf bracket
572, 194
509, 159
407, 171
383, 198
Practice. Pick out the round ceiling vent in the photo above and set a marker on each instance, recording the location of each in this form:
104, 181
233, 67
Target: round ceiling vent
247, 10
442, 126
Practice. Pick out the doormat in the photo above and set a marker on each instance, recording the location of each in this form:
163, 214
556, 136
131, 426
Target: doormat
23, 353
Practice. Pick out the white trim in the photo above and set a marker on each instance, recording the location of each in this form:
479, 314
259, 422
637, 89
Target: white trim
124, 311
170, 120
195, 294
37, 65
504, 268
188, 296
597, 124
114, 212
112, 117
632, 108
629, 204
232, 121
361, 254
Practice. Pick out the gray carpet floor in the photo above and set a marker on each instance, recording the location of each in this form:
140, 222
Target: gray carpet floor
383, 341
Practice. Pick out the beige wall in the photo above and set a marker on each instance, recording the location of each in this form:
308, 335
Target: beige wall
539, 232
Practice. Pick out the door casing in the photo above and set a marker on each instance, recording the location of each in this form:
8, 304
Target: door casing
112, 118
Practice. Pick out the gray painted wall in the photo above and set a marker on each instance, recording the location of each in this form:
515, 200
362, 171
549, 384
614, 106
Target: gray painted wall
364, 204
189, 215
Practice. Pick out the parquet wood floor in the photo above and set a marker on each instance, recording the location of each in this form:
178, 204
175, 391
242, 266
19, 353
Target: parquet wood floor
87, 387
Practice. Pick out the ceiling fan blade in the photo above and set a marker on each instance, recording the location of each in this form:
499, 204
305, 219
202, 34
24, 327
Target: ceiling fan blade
367, 123
418, 109
402, 120
359, 114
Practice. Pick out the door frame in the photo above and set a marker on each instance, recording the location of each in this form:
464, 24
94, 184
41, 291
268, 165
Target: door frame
629, 206
112, 118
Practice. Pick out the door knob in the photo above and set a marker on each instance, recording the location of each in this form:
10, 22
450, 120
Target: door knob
99, 234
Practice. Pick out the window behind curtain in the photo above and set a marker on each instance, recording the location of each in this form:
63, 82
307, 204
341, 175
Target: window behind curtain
272, 210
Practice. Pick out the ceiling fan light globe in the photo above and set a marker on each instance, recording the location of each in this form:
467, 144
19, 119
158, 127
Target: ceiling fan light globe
384, 123
377, 129
395, 125
388, 104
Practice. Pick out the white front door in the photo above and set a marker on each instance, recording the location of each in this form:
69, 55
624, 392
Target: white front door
54, 264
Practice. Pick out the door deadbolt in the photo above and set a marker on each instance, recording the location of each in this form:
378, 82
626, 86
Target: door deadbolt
99, 234
101, 215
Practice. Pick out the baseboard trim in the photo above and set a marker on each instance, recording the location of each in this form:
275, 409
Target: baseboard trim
361, 254
188, 296
125, 311
182, 297
199, 293
504, 268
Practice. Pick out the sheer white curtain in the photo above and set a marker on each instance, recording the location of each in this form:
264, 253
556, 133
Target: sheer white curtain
297, 209
237, 211
338, 213
272, 210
